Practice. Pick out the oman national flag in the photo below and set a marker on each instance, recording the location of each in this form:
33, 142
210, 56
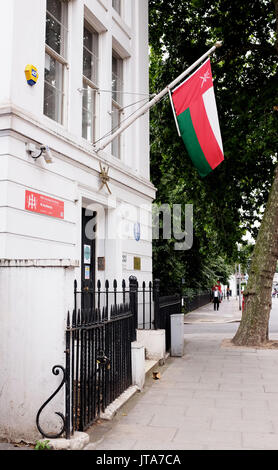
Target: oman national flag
196, 112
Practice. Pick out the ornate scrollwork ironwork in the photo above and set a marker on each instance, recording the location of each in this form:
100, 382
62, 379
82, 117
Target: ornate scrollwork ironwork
55, 371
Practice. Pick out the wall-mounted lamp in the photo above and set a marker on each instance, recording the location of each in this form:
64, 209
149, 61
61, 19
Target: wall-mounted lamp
44, 150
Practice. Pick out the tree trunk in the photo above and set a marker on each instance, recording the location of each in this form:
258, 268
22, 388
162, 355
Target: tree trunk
253, 329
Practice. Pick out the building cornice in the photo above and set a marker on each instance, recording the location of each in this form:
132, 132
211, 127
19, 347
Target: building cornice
38, 263
85, 155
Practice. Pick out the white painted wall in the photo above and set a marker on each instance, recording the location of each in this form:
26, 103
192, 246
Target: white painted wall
233, 285
76, 166
34, 303
34, 300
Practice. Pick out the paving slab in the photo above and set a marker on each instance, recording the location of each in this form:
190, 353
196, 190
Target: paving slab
205, 438
8, 446
260, 441
214, 397
228, 312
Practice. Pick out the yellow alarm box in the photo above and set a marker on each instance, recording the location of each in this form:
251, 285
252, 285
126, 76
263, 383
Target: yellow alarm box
31, 74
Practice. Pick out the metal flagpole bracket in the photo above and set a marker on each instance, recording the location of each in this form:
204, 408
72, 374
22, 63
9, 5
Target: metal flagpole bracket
104, 176
155, 100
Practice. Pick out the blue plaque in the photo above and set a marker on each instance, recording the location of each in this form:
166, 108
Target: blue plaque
137, 231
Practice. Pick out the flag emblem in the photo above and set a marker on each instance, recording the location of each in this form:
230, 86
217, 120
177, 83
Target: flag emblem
197, 118
205, 78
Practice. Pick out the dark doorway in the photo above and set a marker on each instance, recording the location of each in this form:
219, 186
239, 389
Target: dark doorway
88, 257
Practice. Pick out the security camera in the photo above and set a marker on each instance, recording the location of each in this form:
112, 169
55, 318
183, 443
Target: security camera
44, 150
47, 155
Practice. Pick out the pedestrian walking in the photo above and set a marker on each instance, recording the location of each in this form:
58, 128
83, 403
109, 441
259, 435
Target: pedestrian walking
216, 298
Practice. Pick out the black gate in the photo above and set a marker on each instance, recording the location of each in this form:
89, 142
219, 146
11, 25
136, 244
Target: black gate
98, 365
100, 361
99, 334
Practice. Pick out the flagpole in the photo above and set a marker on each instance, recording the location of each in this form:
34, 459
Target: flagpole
175, 116
157, 98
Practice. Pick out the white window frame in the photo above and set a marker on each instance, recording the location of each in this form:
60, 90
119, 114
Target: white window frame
117, 106
116, 145
61, 59
120, 10
90, 84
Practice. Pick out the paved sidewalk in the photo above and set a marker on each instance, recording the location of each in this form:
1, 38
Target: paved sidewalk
214, 397
228, 312
8, 446
211, 398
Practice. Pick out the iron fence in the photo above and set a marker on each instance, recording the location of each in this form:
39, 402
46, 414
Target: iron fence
98, 365
99, 333
150, 309
100, 361
140, 298
191, 303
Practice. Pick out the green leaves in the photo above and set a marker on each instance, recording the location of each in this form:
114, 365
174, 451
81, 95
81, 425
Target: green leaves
227, 202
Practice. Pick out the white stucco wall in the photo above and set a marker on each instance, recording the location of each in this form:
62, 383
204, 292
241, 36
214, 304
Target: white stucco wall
34, 303
34, 298
74, 175
233, 285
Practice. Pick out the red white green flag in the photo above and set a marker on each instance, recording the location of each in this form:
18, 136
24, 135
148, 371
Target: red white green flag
197, 119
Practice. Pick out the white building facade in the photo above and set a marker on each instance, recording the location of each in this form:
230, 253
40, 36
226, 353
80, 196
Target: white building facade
91, 57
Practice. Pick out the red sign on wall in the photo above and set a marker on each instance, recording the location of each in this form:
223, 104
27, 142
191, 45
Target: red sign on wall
44, 204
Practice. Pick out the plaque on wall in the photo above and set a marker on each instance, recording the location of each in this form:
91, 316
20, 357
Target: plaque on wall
101, 263
137, 263
137, 231
87, 272
87, 254
42, 204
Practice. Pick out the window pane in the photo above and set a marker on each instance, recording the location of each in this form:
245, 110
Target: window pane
117, 5
90, 55
53, 72
88, 39
55, 8
56, 33
117, 79
53, 102
53, 34
86, 125
87, 64
53, 86
88, 113
116, 120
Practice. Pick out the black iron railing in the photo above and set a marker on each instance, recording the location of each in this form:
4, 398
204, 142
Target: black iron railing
195, 301
99, 334
98, 366
150, 310
100, 361
64, 418
140, 298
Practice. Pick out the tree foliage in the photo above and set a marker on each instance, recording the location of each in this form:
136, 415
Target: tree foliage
229, 200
